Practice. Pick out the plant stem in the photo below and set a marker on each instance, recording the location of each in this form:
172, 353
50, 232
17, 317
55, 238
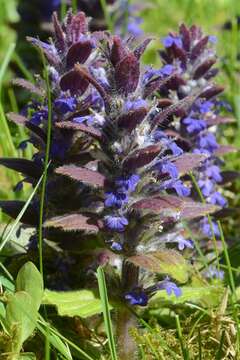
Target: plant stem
126, 320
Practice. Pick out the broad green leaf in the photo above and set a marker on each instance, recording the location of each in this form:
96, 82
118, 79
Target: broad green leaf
206, 296
29, 280
81, 303
2, 310
21, 314
8, 285
168, 262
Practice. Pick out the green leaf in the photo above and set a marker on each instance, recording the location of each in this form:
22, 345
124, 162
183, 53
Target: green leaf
206, 296
168, 262
81, 303
2, 310
30, 280
8, 285
20, 315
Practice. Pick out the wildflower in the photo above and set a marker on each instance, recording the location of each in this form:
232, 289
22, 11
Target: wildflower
137, 297
170, 287
116, 223
171, 40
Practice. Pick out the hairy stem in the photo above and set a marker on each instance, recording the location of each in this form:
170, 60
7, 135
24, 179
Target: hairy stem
126, 320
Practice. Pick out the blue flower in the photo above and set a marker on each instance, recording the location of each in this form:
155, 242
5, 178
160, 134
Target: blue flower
217, 199
128, 183
23, 144
213, 39
115, 199
178, 185
194, 125
207, 228
89, 119
170, 40
205, 106
170, 287
181, 189
38, 116
133, 26
65, 105
116, 246
133, 105
137, 297
167, 69
166, 167
206, 186
183, 243
208, 142
214, 173
176, 150
116, 223
213, 272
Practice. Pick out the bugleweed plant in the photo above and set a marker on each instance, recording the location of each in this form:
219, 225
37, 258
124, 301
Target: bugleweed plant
117, 175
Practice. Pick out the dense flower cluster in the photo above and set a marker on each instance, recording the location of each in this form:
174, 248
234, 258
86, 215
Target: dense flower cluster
116, 182
189, 58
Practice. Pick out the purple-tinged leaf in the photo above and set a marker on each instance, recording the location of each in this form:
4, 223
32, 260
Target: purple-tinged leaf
195, 32
217, 120
72, 222
51, 56
156, 84
118, 51
182, 207
140, 49
78, 53
181, 105
132, 118
78, 26
191, 210
159, 204
127, 72
188, 162
229, 176
211, 91
84, 74
167, 262
74, 82
225, 149
28, 86
203, 68
17, 118
24, 166
165, 102
90, 130
142, 157
186, 37
59, 34
180, 53
82, 174
23, 121
199, 48
13, 208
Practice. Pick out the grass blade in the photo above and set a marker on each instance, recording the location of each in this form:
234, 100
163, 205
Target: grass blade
179, 330
106, 312
5, 63
46, 162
